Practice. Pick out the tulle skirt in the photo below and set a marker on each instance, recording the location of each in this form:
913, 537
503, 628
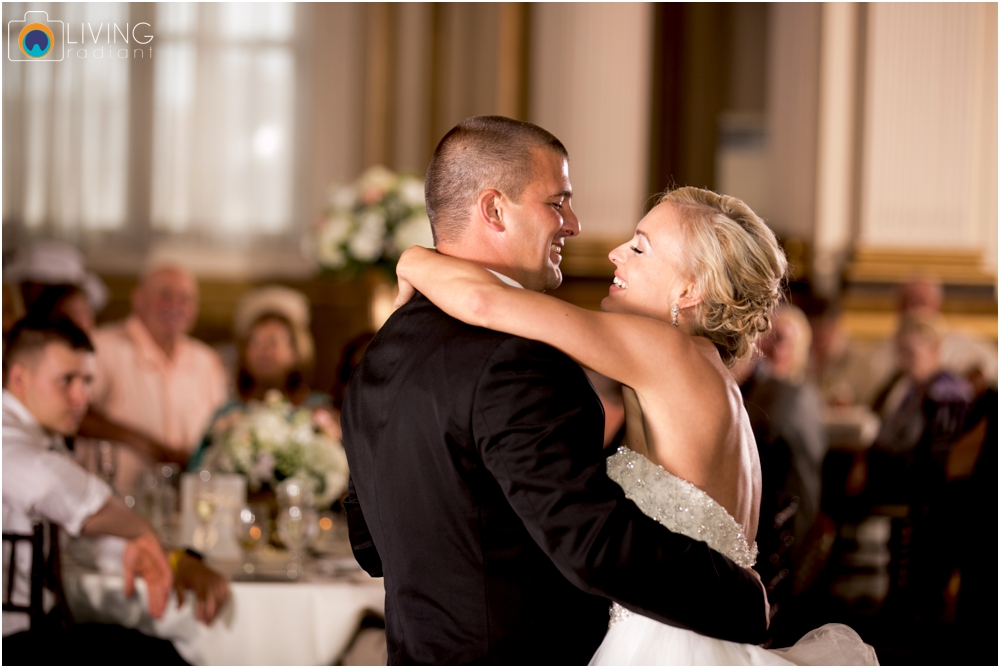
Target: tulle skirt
640, 641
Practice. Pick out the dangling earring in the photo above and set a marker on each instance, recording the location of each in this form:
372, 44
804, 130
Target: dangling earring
674, 310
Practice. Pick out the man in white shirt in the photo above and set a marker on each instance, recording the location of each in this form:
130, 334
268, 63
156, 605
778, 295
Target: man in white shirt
47, 370
154, 379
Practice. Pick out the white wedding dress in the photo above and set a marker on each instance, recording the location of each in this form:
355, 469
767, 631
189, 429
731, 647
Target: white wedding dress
683, 508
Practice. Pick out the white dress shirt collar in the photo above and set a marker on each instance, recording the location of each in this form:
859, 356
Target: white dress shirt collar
506, 279
17, 419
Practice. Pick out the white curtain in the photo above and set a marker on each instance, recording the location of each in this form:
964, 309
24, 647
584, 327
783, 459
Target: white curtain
65, 155
223, 118
222, 144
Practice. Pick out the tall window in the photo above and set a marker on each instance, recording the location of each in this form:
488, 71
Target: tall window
223, 118
65, 139
213, 133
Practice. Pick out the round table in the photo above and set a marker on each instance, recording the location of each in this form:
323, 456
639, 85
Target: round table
265, 623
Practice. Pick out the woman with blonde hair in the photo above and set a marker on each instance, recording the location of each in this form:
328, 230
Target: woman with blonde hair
693, 291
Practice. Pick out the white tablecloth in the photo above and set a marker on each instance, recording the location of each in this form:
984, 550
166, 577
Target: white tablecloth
265, 623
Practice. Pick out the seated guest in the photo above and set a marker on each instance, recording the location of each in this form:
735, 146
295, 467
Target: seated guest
921, 415
275, 353
47, 370
55, 263
960, 354
922, 418
152, 377
71, 302
787, 420
62, 300
846, 371
275, 346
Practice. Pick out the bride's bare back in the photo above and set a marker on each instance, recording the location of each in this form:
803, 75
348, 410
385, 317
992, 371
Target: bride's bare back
693, 424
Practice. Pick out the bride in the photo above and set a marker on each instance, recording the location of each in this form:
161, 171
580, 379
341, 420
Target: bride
692, 292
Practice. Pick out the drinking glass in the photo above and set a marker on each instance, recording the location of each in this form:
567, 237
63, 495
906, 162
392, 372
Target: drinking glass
297, 521
205, 534
169, 483
107, 462
252, 528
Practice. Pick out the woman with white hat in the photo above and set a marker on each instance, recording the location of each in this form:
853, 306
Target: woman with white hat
275, 353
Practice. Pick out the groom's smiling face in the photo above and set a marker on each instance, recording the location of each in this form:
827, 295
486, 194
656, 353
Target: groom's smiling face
536, 227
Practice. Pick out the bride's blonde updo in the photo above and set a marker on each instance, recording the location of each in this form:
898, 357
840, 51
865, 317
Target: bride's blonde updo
737, 264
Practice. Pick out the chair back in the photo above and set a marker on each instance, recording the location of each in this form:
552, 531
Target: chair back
45, 573
36, 543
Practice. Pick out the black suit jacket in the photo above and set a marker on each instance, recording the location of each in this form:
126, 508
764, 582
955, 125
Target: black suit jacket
479, 492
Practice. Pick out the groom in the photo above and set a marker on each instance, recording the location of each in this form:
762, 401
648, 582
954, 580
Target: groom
478, 478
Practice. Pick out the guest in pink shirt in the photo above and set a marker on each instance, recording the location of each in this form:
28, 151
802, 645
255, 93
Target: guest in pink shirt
153, 377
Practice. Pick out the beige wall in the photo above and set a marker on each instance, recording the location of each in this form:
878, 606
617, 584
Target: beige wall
930, 150
388, 81
882, 124
590, 86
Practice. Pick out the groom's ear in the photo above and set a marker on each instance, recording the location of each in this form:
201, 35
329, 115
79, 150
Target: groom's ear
490, 209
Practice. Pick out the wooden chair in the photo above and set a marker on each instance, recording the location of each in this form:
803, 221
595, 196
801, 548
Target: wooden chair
36, 541
45, 573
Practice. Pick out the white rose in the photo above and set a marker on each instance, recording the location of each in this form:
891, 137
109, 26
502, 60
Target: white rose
332, 235
372, 221
377, 178
366, 245
302, 433
411, 191
414, 231
335, 230
272, 430
344, 197
332, 257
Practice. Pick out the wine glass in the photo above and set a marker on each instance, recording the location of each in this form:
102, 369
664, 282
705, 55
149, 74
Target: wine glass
205, 534
297, 521
252, 530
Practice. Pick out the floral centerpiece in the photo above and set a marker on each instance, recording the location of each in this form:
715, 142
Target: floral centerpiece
372, 221
272, 440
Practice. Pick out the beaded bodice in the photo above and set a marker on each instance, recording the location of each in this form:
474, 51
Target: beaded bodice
680, 506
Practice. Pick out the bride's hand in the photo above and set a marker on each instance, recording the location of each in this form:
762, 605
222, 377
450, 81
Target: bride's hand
406, 292
406, 260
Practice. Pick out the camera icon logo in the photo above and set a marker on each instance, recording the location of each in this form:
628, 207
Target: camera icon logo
36, 37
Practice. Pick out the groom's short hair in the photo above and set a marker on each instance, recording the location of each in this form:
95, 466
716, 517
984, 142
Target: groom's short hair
479, 153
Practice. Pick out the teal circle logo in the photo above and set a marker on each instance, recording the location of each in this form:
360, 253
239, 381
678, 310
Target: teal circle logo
35, 40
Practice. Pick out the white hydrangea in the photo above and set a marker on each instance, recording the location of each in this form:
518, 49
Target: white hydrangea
332, 235
378, 179
371, 221
414, 231
272, 437
333, 257
336, 230
411, 191
343, 198
368, 242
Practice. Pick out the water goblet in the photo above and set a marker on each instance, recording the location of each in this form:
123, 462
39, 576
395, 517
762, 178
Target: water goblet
252, 529
205, 534
297, 526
